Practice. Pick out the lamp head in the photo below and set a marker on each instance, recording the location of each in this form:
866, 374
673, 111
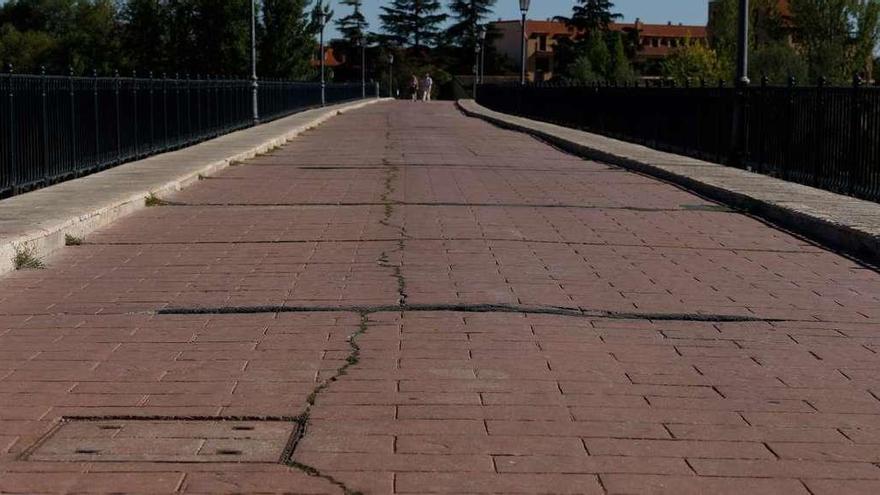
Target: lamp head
524, 6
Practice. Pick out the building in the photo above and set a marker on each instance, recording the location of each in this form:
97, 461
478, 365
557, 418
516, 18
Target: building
656, 41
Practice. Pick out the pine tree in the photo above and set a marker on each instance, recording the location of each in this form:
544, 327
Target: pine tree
353, 26
414, 22
288, 41
469, 15
592, 15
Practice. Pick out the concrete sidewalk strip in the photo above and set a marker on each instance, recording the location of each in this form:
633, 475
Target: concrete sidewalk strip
40, 220
847, 224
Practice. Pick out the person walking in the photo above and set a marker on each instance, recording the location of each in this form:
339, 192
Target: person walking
427, 87
414, 87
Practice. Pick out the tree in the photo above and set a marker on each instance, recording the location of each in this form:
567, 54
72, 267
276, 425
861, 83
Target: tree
25, 50
620, 68
413, 22
838, 37
592, 15
693, 61
145, 34
353, 27
287, 43
777, 62
768, 33
469, 15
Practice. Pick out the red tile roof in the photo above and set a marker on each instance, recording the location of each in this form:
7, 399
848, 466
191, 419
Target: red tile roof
654, 30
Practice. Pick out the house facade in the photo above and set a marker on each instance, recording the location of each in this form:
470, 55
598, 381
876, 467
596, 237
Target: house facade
655, 42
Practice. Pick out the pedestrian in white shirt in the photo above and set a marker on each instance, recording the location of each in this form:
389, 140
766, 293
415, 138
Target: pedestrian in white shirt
427, 87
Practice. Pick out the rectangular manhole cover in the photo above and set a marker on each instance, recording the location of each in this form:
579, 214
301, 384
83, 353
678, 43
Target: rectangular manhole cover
167, 440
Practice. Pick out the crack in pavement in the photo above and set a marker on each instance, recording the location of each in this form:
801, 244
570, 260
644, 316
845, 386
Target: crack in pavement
353, 357
695, 207
440, 239
475, 308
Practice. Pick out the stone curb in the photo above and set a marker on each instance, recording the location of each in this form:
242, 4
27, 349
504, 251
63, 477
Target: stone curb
132, 181
848, 225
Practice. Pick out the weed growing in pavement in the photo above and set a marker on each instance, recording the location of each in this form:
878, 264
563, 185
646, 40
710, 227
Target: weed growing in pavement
26, 257
72, 240
153, 200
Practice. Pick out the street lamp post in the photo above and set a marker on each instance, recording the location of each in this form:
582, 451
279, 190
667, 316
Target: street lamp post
322, 19
742, 54
524, 8
476, 66
739, 139
482, 52
255, 111
363, 44
391, 75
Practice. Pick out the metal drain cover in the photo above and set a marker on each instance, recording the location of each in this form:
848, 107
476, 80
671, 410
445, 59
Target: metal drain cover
172, 440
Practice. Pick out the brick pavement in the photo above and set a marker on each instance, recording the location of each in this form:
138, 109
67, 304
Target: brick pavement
446, 307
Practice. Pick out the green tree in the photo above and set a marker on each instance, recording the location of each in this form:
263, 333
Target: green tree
469, 15
26, 51
61, 33
620, 68
145, 34
591, 15
693, 61
581, 71
838, 37
354, 25
777, 62
288, 42
413, 22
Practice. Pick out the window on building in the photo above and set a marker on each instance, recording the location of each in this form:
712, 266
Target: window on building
542, 43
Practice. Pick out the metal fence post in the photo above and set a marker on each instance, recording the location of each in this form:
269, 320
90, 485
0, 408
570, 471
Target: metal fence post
13, 175
819, 132
152, 115
73, 157
97, 117
165, 108
134, 99
852, 165
118, 120
44, 124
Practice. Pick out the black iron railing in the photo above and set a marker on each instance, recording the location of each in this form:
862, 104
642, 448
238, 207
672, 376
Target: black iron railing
826, 137
54, 128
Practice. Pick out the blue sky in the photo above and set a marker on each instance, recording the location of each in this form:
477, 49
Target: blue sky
651, 11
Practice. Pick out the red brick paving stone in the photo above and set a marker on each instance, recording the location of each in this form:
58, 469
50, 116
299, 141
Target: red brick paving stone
854, 487
497, 483
490, 216
692, 485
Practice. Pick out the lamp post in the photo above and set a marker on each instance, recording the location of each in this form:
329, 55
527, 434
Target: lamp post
363, 44
739, 139
476, 65
255, 110
322, 20
742, 54
524, 8
391, 75
482, 35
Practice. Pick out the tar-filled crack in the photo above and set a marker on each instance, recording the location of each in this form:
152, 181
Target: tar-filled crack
387, 203
475, 308
353, 357
305, 417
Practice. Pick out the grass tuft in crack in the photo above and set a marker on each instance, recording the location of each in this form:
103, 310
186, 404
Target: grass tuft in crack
26, 257
72, 240
153, 200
